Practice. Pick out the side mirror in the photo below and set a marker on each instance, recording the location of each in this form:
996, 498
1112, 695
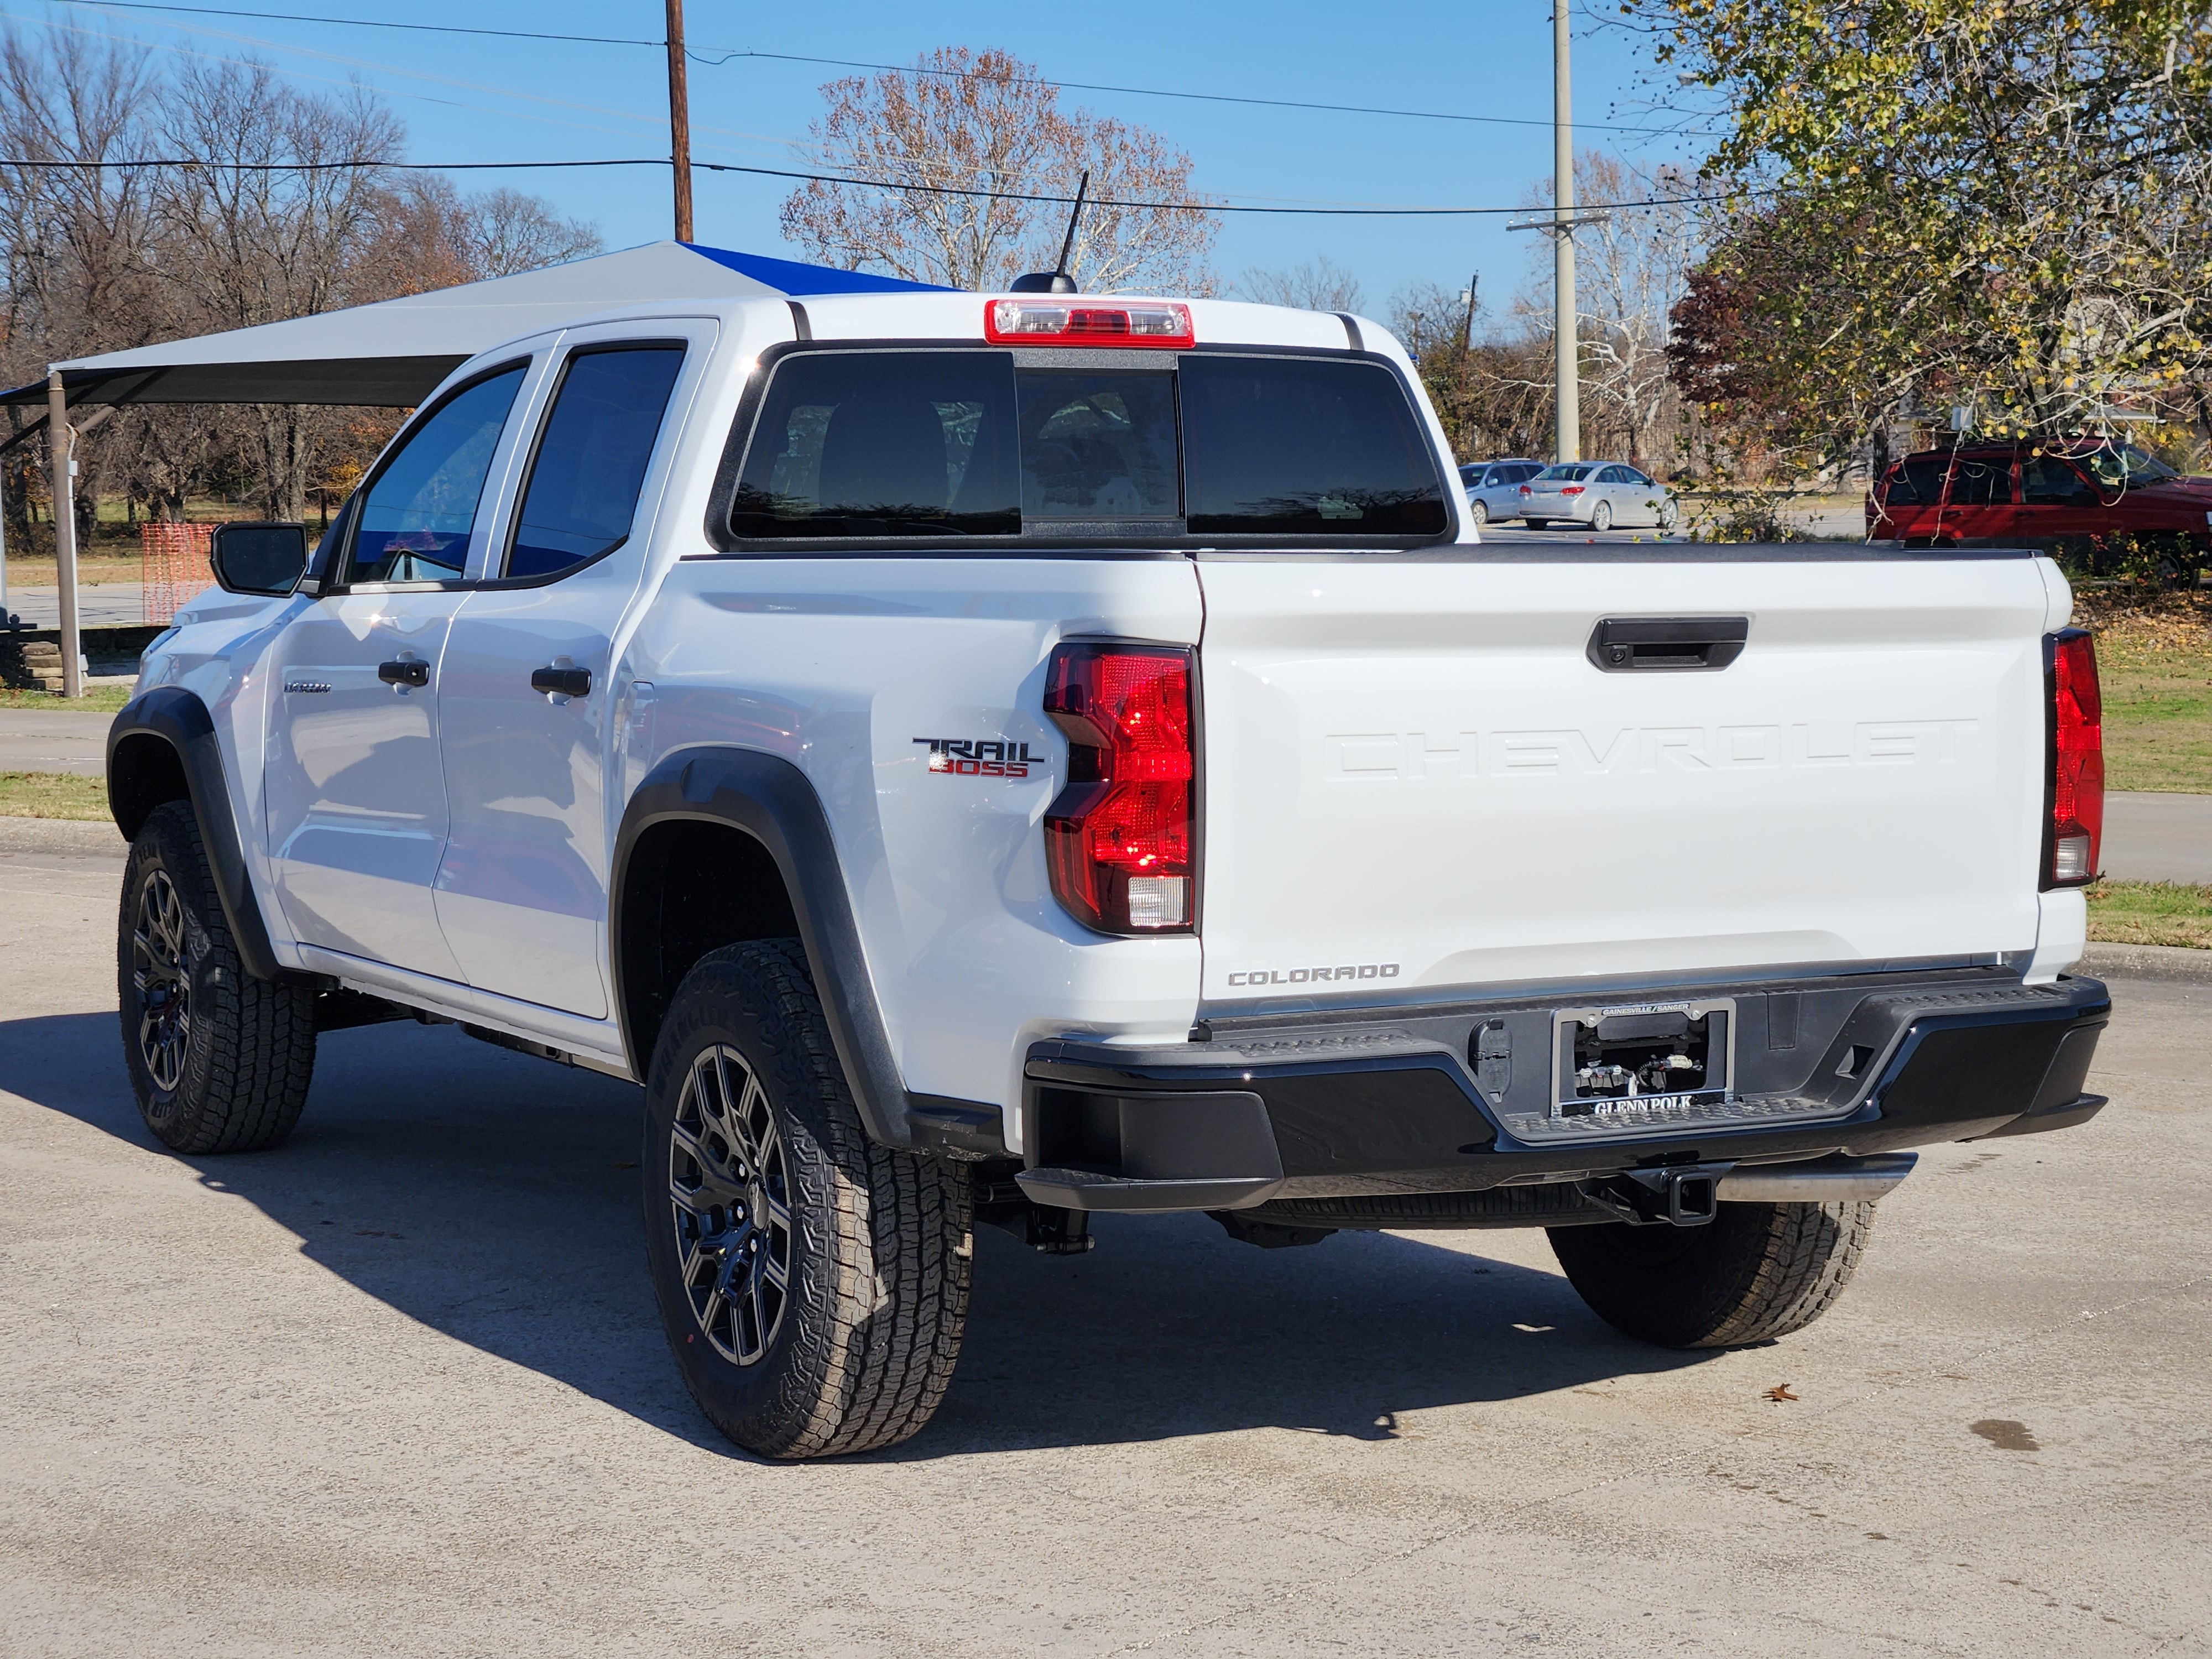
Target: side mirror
258, 558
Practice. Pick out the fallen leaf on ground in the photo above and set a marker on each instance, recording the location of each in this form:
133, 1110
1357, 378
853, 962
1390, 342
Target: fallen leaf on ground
1780, 1391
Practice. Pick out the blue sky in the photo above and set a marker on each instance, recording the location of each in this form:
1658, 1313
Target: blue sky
467, 98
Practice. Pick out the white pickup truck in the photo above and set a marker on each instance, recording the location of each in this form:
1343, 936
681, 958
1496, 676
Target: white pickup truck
1001, 758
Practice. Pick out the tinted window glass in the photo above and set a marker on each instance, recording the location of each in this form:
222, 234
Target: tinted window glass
1919, 481
416, 518
909, 443
2046, 480
1981, 483
590, 460
1301, 446
1629, 475
2122, 466
1097, 444
1572, 472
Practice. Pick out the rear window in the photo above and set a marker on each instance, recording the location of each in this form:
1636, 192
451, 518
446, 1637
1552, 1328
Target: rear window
874, 445
1570, 473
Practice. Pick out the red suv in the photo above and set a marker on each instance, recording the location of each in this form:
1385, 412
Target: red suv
2012, 495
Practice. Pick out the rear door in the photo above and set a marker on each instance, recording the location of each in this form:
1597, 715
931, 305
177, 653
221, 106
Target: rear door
1417, 778
528, 706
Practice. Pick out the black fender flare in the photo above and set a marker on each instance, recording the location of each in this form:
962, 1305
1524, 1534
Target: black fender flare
770, 800
179, 720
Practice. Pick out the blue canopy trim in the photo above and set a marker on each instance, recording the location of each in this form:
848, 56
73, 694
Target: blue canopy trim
790, 276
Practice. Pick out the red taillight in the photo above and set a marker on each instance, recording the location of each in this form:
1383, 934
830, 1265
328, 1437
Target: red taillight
2075, 833
1118, 838
1572, 490
1087, 322
1525, 490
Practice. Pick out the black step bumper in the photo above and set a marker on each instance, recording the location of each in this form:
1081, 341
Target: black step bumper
1372, 1102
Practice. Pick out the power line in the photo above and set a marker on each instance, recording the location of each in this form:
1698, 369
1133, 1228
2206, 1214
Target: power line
1204, 97
715, 57
846, 178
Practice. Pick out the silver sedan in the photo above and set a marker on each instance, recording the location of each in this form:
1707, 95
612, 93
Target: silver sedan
1599, 493
1494, 487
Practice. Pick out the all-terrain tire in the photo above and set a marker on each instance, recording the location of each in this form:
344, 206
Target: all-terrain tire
754, 1155
220, 1060
1754, 1271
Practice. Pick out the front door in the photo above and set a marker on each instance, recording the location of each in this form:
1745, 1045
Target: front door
525, 700
355, 795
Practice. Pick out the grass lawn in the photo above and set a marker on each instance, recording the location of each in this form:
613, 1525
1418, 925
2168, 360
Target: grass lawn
97, 700
2150, 912
52, 795
2156, 671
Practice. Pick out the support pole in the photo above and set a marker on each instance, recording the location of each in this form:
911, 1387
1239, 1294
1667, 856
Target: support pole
1568, 442
679, 121
57, 454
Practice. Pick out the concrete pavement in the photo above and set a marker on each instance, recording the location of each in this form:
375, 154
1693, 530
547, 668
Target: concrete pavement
398, 1389
2158, 837
98, 604
54, 740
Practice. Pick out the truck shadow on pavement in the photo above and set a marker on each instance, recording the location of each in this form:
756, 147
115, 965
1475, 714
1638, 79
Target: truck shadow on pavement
494, 1198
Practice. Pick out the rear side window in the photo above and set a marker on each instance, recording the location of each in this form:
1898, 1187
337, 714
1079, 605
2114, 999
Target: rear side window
1295, 446
910, 443
590, 460
1981, 483
1918, 483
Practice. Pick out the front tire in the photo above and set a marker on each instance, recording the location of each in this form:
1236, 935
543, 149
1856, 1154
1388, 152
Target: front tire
813, 1285
220, 1060
1753, 1273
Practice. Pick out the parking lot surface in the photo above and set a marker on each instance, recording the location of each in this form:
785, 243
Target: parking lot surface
397, 1388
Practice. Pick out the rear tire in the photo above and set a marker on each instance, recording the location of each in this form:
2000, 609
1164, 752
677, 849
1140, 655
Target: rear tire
813, 1285
1602, 516
1479, 511
220, 1060
1753, 1273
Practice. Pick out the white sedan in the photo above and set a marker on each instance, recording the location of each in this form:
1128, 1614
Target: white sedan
1599, 493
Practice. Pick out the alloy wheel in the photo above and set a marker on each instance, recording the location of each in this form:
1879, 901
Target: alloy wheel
161, 977
730, 1202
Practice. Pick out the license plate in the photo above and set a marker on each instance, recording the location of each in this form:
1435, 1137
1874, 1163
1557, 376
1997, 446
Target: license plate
1642, 1059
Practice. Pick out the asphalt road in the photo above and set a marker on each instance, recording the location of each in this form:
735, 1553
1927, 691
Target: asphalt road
397, 1390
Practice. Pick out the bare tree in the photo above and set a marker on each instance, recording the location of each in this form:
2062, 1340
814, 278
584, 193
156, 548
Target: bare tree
960, 122
1631, 269
1316, 284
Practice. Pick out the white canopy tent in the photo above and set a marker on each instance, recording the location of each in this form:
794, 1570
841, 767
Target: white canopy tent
392, 353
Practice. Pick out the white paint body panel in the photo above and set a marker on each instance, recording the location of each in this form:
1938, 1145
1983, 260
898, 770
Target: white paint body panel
1416, 764
1404, 760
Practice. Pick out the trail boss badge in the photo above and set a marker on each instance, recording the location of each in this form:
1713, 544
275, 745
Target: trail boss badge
980, 757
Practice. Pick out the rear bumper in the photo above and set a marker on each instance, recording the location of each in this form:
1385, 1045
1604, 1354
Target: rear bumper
1389, 1101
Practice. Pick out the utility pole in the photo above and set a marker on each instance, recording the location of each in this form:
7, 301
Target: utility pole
1568, 442
1466, 352
679, 121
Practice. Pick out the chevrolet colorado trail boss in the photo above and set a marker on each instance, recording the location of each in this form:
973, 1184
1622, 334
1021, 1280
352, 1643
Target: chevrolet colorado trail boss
996, 759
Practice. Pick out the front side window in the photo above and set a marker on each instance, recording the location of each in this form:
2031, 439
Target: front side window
416, 518
2122, 466
582, 491
2049, 481
1304, 447
864, 444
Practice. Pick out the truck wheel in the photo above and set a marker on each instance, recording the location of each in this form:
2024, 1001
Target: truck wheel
813, 1285
1755, 1270
220, 1060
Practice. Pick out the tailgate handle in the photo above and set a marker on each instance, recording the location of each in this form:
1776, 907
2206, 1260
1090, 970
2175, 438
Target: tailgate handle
1636, 645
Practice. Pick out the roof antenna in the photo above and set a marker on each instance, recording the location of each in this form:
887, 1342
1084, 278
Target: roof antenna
1057, 281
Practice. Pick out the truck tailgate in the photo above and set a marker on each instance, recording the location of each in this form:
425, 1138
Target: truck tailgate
1416, 777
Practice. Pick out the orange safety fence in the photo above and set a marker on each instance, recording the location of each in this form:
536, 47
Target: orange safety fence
173, 566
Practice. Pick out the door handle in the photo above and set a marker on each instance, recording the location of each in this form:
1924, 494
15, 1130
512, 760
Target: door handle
561, 681
406, 671
1634, 645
